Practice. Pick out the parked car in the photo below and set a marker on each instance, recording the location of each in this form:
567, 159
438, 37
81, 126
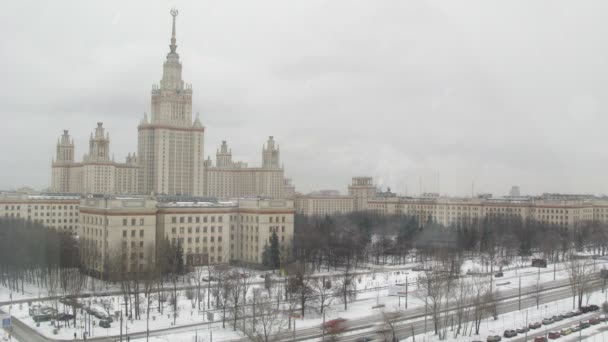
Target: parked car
493, 338
557, 318
499, 274
575, 328
585, 309
584, 324
522, 330
554, 335
64, 317
547, 321
42, 318
104, 323
568, 314
594, 321
602, 318
534, 325
540, 339
510, 333
594, 307
565, 332
577, 312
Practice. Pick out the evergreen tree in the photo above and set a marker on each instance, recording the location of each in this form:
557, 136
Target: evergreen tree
179, 258
271, 257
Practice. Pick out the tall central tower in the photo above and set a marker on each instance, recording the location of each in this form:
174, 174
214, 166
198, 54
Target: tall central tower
170, 144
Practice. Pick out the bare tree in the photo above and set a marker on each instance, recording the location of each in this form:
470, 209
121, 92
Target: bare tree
268, 324
323, 290
578, 271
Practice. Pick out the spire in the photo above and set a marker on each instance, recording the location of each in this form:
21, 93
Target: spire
173, 47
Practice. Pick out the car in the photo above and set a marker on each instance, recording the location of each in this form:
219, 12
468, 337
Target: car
602, 318
493, 338
522, 330
577, 312
575, 328
509, 333
568, 314
540, 339
64, 317
557, 318
547, 321
42, 318
565, 332
498, 274
104, 323
335, 325
554, 335
594, 321
594, 307
584, 324
585, 309
534, 325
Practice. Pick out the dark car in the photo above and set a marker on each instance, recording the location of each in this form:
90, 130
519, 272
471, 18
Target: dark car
594, 321
557, 318
594, 307
493, 338
522, 330
585, 309
568, 314
509, 333
547, 321
64, 317
540, 339
42, 318
584, 324
554, 335
499, 274
104, 323
534, 325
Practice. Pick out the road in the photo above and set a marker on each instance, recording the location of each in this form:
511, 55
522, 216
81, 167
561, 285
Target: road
23, 332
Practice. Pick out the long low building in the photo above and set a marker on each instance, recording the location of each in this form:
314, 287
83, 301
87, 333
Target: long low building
128, 229
562, 210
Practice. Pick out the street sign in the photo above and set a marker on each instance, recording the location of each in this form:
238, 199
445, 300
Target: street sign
6, 320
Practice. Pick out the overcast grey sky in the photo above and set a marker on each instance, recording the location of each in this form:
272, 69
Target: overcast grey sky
496, 93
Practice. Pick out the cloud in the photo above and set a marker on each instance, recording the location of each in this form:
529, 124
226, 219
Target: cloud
498, 94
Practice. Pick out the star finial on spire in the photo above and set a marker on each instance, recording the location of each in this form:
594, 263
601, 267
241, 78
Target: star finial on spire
173, 47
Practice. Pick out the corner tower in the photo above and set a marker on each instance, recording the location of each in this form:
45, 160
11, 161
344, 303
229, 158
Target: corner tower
170, 144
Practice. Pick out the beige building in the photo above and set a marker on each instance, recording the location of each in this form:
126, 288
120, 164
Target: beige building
55, 211
123, 233
362, 189
118, 234
322, 203
170, 144
230, 179
170, 159
97, 173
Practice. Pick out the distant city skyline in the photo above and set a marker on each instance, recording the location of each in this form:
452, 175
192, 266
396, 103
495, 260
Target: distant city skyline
398, 91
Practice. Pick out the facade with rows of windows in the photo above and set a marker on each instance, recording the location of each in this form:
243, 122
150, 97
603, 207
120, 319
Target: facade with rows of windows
123, 233
56, 211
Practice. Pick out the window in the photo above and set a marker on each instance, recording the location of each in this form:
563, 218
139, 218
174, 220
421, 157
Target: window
141, 233
212, 229
181, 230
174, 219
271, 219
124, 233
141, 222
189, 230
133, 233
219, 219
212, 218
181, 219
124, 222
219, 229
133, 222
198, 219
141, 243
283, 229
189, 219
173, 230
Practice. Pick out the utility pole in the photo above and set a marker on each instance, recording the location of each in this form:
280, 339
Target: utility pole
406, 291
519, 297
